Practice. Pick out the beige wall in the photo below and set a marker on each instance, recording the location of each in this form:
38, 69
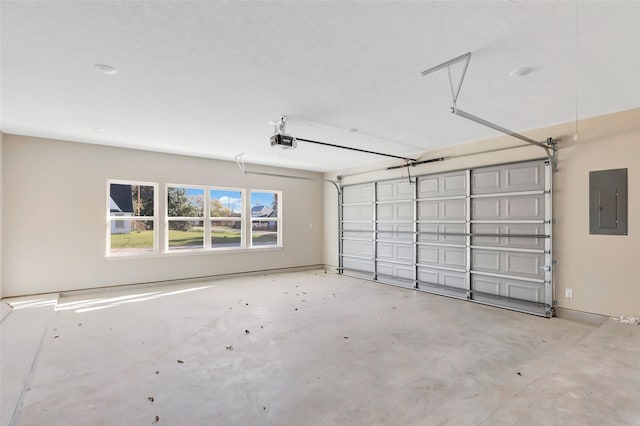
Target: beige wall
601, 270
54, 216
1, 173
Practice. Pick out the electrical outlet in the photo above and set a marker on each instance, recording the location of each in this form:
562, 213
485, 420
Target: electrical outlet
568, 293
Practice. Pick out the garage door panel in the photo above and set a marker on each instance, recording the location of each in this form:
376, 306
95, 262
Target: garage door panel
364, 265
522, 207
522, 290
395, 231
357, 230
357, 248
357, 193
442, 185
398, 252
395, 212
505, 229
517, 177
508, 263
390, 271
442, 277
357, 212
443, 229
394, 190
442, 210
451, 257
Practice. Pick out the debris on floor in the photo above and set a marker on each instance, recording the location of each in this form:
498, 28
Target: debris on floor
180, 361
229, 348
55, 337
628, 320
247, 332
151, 399
519, 373
157, 419
157, 372
345, 337
295, 309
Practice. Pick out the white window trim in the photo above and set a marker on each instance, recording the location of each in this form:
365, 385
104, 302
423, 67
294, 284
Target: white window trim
110, 218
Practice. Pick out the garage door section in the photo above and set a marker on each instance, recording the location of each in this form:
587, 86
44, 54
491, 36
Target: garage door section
511, 236
481, 234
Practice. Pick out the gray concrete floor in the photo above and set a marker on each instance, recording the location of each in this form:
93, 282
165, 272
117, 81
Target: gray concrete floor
307, 348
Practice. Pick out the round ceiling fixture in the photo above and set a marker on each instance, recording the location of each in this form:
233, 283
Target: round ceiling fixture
521, 72
105, 69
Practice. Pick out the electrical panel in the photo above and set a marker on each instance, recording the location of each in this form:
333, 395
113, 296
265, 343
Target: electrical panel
608, 202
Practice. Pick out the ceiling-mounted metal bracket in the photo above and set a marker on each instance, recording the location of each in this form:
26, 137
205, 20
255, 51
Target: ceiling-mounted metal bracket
454, 92
549, 146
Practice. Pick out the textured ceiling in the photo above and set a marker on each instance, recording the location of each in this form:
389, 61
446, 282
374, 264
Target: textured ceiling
205, 78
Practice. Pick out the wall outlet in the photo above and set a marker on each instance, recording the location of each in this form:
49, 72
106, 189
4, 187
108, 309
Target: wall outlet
568, 293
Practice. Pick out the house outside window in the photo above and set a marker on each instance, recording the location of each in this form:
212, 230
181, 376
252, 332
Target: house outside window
265, 218
131, 218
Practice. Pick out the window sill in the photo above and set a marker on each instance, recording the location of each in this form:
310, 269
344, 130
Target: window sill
197, 252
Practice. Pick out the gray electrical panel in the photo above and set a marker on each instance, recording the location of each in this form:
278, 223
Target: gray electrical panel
608, 202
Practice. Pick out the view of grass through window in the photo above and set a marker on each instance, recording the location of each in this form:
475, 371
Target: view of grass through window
131, 218
226, 218
197, 218
185, 210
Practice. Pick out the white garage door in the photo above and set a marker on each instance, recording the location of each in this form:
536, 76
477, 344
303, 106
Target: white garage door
480, 234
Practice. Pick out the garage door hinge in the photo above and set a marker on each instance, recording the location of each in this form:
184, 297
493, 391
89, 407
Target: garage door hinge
546, 268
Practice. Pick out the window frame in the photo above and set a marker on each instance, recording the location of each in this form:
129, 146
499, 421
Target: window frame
277, 219
110, 219
168, 219
207, 219
241, 219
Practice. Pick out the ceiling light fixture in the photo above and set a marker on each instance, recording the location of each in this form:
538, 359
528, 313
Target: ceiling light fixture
105, 69
521, 72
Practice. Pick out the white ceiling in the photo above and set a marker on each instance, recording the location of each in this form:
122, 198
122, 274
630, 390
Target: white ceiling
205, 78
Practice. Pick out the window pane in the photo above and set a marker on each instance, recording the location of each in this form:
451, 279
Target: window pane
131, 236
185, 202
130, 200
186, 234
264, 204
264, 233
226, 233
225, 203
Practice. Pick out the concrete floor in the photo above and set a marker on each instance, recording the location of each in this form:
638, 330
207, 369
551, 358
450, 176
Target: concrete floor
307, 348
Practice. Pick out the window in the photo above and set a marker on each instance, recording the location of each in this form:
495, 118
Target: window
131, 218
185, 217
225, 212
265, 218
196, 218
